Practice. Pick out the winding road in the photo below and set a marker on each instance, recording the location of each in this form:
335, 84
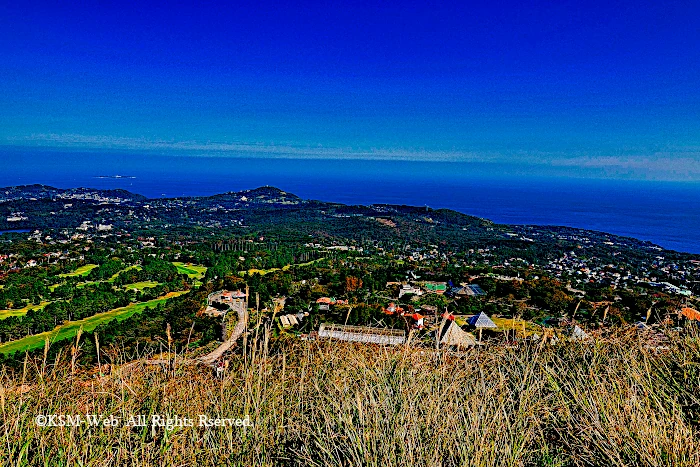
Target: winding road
238, 330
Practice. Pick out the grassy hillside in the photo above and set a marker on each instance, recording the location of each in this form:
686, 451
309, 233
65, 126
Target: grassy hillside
262, 272
81, 271
21, 311
608, 403
192, 270
141, 285
70, 329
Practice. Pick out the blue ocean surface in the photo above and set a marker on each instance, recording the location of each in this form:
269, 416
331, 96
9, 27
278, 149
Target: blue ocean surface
666, 213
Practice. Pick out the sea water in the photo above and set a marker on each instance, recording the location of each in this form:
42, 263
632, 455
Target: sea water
666, 213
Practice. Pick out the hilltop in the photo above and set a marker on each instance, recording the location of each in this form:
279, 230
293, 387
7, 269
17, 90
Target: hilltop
42, 207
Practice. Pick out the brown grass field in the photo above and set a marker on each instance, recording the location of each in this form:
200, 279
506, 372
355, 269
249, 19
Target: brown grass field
612, 402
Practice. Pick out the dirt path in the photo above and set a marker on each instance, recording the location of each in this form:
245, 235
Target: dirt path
238, 331
211, 358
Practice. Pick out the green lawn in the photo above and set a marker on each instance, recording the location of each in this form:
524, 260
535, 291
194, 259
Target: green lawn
111, 279
81, 271
141, 285
69, 330
21, 311
262, 272
193, 271
85, 270
114, 277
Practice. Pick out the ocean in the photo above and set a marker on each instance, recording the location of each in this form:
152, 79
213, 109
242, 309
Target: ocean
666, 213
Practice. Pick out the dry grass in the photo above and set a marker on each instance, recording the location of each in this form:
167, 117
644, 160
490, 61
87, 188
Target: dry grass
609, 403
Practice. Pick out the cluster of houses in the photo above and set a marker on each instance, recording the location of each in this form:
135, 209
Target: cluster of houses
222, 301
579, 269
439, 288
290, 320
416, 318
670, 288
87, 225
445, 331
447, 334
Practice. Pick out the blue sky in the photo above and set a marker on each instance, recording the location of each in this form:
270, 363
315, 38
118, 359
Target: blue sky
609, 87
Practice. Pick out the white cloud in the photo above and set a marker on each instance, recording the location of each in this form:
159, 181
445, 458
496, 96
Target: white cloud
678, 164
246, 149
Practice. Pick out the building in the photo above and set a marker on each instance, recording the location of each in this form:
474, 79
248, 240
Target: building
347, 333
482, 321
579, 334
235, 300
407, 289
226, 296
290, 320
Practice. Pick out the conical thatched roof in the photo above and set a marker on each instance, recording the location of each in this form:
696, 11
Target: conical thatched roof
482, 321
452, 334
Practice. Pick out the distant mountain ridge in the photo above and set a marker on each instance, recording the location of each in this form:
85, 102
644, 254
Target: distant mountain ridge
264, 208
39, 191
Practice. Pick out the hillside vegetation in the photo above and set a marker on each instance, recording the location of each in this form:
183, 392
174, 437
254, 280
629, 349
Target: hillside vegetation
612, 402
588, 352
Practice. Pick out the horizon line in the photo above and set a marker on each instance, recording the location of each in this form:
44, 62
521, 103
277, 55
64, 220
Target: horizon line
679, 164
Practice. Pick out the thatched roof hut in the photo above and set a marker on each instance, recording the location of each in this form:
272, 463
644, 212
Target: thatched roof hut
451, 334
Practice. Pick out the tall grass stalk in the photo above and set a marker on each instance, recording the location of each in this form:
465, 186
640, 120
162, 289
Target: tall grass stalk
611, 402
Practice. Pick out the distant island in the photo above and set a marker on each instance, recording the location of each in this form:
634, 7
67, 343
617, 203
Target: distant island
114, 176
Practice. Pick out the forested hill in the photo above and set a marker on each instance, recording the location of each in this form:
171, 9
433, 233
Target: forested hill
267, 209
41, 206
